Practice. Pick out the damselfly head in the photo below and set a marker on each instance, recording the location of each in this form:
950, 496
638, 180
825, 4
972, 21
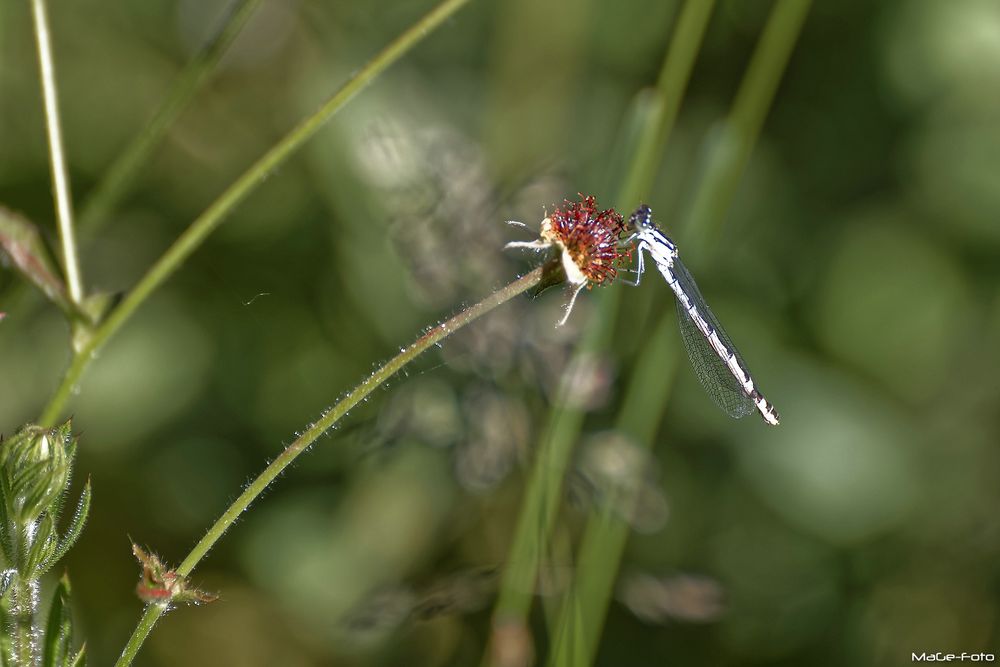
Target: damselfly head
642, 218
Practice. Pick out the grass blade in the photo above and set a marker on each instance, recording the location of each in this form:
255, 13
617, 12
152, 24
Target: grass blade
730, 150
122, 173
605, 535
59, 628
75, 526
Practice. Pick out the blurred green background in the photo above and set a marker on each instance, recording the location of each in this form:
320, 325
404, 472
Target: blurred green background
856, 267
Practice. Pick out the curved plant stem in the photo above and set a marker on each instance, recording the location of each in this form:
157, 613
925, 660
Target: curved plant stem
57, 159
125, 169
329, 418
208, 221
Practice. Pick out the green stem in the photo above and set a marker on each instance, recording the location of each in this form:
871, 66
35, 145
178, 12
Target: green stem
654, 118
23, 607
543, 497
208, 221
605, 536
123, 172
329, 418
578, 627
600, 552
57, 159
674, 76
731, 149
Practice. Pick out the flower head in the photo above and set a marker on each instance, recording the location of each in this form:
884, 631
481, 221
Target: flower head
588, 238
589, 241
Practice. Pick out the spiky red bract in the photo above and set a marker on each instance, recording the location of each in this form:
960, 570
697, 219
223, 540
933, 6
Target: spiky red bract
590, 237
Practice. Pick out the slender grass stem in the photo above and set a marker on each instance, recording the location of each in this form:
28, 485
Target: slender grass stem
731, 148
208, 221
122, 173
544, 488
655, 118
669, 91
311, 434
57, 159
585, 607
606, 534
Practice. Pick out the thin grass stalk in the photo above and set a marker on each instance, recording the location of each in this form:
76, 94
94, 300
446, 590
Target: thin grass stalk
311, 434
606, 534
123, 172
600, 552
57, 156
730, 151
669, 91
578, 629
208, 221
653, 119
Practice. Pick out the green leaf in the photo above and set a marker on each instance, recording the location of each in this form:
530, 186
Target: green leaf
77, 659
42, 548
75, 526
64, 432
40, 492
59, 628
6, 521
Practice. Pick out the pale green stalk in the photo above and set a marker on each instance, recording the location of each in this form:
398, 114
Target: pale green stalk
57, 159
606, 534
543, 495
208, 221
729, 152
585, 607
669, 91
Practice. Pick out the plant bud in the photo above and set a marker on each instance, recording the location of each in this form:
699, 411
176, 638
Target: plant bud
35, 464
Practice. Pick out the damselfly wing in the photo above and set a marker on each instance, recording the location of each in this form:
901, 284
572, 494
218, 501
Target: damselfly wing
715, 359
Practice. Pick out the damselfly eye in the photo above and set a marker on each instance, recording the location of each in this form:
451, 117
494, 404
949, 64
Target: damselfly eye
642, 217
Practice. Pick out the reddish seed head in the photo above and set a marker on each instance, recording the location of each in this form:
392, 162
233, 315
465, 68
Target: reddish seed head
590, 237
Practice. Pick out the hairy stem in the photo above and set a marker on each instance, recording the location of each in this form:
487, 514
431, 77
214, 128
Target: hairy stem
329, 418
208, 221
121, 175
57, 160
23, 633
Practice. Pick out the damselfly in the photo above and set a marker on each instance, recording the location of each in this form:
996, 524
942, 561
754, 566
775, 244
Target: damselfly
719, 367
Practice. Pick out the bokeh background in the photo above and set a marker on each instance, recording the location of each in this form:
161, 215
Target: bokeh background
856, 266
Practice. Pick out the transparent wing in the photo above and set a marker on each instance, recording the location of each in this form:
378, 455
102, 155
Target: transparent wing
713, 373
